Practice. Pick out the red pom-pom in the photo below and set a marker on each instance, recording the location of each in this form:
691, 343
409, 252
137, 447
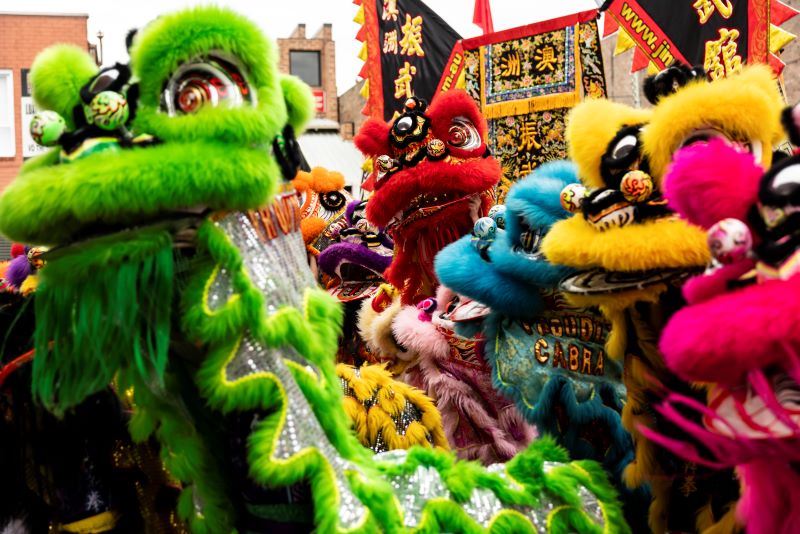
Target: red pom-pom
17, 249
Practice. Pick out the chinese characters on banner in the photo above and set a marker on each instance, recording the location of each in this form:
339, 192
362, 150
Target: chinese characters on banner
525, 81
720, 35
706, 8
408, 53
721, 56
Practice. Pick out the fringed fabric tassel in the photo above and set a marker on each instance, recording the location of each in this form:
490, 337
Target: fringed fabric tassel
415, 249
375, 403
100, 307
532, 105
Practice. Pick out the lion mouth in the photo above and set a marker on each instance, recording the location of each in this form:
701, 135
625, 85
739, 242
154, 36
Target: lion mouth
766, 407
608, 208
354, 282
181, 223
529, 241
598, 281
428, 204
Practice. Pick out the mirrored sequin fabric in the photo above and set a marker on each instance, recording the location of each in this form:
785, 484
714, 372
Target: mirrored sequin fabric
483, 506
277, 265
414, 490
302, 430
591, 505
276, 261
253, 357
409, 414
220, 290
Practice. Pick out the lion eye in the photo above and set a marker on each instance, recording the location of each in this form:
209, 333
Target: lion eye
463, 134
625, 146
206, 82
333, 200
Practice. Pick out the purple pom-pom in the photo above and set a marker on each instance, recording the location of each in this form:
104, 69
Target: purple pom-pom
18, 270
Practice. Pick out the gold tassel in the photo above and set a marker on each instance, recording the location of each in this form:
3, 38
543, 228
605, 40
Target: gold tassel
531, 105
390, 400
376, 420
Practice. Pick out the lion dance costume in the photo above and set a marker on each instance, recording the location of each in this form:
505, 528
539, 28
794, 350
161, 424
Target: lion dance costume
178, 269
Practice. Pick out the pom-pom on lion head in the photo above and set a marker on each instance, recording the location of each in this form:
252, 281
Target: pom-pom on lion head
323, 200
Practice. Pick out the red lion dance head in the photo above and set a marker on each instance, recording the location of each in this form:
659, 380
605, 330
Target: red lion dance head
433, 177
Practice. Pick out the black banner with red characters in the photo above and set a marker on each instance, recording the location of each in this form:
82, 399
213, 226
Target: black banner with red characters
408, 47
720, 35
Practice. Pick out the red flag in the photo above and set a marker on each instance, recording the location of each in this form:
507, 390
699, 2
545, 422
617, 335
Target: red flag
482, 16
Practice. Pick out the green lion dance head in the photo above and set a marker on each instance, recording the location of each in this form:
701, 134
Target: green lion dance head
208, 91
202, 121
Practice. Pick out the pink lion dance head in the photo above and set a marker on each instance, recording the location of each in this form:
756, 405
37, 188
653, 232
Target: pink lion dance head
741, 330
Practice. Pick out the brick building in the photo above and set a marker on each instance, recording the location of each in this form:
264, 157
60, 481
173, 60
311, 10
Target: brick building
22, 36
350, 105
327, 141
313, 59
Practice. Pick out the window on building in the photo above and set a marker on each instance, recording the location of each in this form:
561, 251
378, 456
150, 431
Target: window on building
305, 65
8, 146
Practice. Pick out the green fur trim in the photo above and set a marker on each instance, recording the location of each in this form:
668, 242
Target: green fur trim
100, 307
299, 102
163, 412
57, 75
51, 157
284, 513
171, 40
312, 334
132, 186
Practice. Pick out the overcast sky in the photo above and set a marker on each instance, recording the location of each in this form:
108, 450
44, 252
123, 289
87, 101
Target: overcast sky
279, 17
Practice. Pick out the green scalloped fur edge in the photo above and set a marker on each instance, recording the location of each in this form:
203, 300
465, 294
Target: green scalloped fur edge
194, 464
314, 334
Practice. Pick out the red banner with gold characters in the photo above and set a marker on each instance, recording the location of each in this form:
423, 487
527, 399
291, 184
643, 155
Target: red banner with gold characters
720, 35
406, 47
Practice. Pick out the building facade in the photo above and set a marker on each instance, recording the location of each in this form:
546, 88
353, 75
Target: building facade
313, 60
22, 37
351, 103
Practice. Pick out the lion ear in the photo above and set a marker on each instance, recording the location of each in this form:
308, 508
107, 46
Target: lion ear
299, 102
451, 104
790, 118
372, 138
57, 75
